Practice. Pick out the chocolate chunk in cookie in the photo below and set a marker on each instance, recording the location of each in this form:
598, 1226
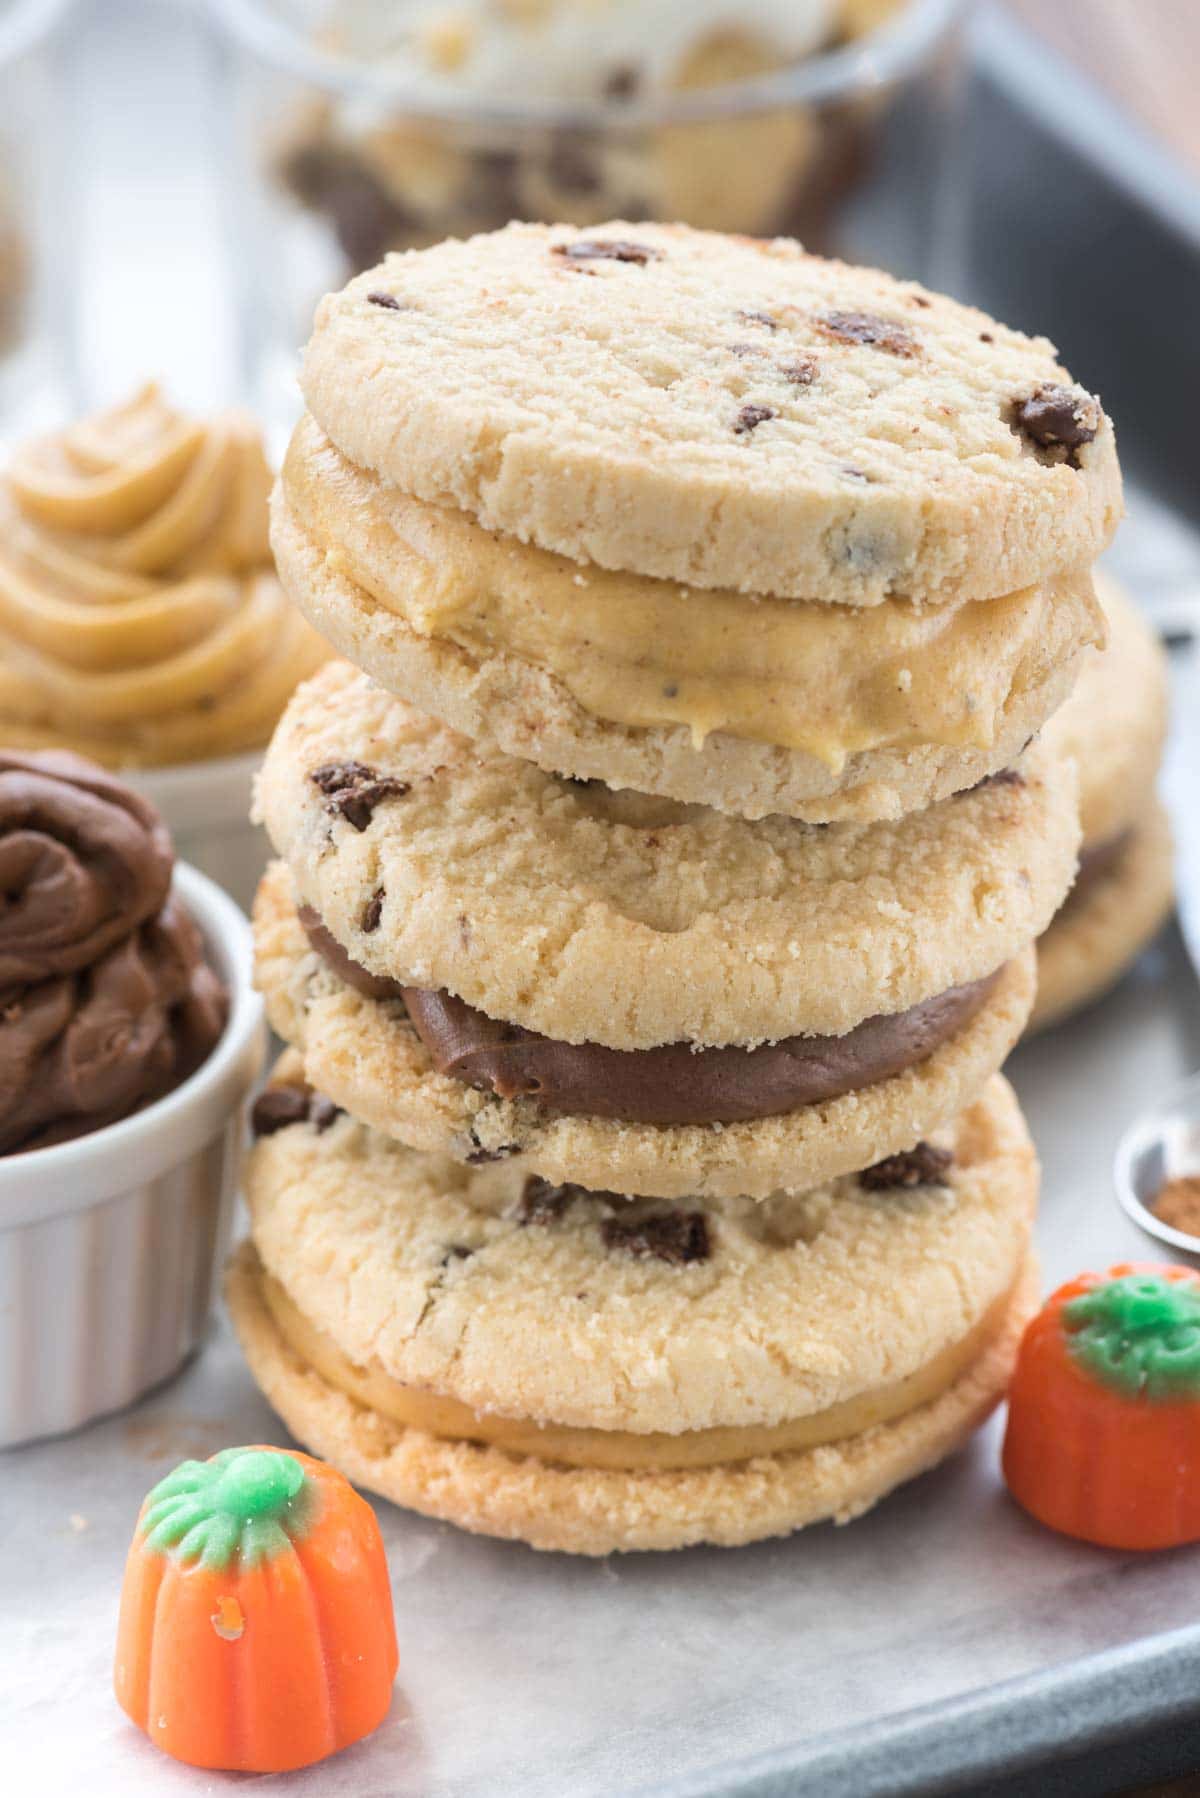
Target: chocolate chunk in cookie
480, 1156
543, 1203
750, 417
352, 790
322, 1112
925, 1165
279, 1106
1057, 418
677, 1237
865, 328
373, 911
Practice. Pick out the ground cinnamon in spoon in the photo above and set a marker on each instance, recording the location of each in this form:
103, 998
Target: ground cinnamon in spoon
1177, 1203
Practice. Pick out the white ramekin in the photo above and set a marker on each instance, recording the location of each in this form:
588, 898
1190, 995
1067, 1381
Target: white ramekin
110, 1245
206, 806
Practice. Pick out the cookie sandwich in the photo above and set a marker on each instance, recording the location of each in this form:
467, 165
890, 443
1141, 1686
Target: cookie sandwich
658, 881
1113, 726
486, 960
589, 1374
710, 519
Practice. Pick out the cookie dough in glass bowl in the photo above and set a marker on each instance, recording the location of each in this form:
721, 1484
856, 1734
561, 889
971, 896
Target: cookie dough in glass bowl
361, 128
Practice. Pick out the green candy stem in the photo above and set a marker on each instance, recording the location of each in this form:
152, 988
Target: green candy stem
1140, 1335
246, 1505
257, 1483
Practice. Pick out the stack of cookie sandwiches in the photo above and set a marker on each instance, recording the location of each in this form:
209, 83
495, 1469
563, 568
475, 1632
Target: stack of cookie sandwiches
659, 879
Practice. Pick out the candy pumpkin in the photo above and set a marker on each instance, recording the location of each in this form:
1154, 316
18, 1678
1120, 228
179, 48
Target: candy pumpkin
1103, 1438
256, 1630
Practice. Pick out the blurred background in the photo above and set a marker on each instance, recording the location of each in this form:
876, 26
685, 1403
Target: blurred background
180, 180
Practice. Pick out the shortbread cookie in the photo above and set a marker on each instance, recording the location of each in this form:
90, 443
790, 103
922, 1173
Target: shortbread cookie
718, 411
591, 1373
701, 695
1114, 727
1115, 722
590, 1511
632, 922
366, 1054
1115, 909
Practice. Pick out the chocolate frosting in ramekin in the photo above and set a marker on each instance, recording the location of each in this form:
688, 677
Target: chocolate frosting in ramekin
106, 999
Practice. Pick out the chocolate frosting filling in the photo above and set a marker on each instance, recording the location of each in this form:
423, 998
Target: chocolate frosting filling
106, 1000
669, 1085
1096, 861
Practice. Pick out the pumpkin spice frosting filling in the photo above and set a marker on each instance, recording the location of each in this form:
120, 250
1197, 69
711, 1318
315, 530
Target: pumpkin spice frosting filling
640, 652
622, 1450
671, 1085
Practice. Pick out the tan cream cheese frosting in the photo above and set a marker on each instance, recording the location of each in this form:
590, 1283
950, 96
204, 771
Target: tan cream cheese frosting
141, 621
637, 651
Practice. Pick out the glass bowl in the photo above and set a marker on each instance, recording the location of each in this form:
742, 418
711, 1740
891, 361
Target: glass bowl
36, 236
336, 157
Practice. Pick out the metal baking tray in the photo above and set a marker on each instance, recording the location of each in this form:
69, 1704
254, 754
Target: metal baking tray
942, 1644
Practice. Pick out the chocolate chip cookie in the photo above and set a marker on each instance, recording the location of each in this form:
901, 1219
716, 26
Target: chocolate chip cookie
791, 1115
631, 922
585, 1372
717, 411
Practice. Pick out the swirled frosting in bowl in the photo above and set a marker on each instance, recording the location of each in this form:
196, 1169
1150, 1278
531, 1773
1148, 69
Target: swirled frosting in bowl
106, 999
141, 620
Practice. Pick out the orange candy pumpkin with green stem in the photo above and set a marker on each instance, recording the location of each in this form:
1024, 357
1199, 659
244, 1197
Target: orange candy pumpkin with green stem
256, 1630
1103, 1438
